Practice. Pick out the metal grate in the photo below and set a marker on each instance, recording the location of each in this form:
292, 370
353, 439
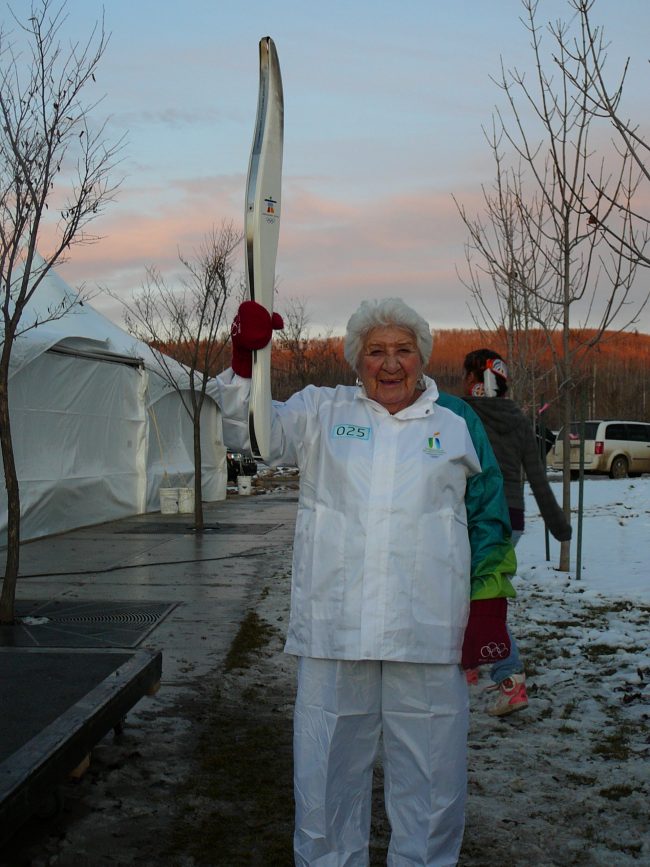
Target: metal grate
75, 623
135, 617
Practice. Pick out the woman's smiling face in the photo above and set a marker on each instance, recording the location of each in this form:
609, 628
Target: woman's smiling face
390, 367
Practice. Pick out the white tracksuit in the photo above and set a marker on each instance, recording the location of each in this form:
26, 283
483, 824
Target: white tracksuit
379, 603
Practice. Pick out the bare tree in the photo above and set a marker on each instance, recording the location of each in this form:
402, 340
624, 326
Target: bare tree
501, 252
186, 322
572, 281
300, 359
583, 63
294, 341
54, 180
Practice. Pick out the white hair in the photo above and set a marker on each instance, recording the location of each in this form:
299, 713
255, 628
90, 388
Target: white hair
379, 313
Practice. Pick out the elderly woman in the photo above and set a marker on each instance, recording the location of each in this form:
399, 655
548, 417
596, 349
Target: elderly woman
401, 520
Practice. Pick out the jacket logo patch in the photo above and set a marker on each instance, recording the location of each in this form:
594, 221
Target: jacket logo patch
351, 432
433, 446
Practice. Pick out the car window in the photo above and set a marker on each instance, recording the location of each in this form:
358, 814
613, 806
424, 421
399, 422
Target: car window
616, 432
590, 430
639, 433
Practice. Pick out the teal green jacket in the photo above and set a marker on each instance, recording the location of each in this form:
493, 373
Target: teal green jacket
493, 556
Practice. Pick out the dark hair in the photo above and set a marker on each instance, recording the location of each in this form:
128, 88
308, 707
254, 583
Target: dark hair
476, 362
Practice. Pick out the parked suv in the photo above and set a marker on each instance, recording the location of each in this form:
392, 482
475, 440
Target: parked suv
620, 448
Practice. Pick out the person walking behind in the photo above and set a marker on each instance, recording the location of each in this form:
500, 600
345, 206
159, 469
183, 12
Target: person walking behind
515, 448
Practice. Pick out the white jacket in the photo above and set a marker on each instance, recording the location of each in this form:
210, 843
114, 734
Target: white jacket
381, 562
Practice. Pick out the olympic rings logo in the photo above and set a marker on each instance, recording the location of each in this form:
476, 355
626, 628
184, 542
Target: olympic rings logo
494, 650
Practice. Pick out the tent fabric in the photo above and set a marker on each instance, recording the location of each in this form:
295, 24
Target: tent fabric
77, 457
171, 459
96, 428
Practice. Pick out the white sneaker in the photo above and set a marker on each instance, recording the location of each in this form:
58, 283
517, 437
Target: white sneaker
511, 695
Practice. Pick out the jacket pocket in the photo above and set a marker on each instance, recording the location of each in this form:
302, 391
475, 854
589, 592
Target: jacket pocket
319, 574
441, 575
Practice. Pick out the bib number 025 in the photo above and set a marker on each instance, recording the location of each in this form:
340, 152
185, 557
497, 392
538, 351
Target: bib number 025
350, 431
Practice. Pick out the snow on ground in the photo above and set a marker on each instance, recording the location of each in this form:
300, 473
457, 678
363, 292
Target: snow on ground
566, 781
615, 536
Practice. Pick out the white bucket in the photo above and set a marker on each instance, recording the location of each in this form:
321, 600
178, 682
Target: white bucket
185, 500
168, 500
244, 485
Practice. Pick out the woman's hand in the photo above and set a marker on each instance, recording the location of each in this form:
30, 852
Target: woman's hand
486, 637
252, 329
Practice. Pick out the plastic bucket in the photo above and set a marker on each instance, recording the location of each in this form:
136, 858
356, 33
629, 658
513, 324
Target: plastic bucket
168, 500
244, 485
185, 500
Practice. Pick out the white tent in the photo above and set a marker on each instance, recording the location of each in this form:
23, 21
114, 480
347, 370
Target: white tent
95, 426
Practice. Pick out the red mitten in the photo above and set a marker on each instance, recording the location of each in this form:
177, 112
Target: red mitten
486, 637
251, 329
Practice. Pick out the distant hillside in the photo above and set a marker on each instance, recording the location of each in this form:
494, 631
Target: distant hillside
615, 377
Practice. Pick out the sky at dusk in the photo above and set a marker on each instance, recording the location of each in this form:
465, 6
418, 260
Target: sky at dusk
384, 103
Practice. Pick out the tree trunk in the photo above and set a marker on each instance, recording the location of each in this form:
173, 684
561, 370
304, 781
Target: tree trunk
8, 595
198, 487
566, 406
566, 403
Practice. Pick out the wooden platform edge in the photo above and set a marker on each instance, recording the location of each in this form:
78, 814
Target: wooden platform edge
44, 762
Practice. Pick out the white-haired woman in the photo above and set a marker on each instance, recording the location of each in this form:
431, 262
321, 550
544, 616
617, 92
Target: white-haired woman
401, 521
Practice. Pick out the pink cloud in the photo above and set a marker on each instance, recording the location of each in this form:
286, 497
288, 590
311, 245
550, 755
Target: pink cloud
333, 251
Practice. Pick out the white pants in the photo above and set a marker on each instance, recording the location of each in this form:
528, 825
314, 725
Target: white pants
342, 707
